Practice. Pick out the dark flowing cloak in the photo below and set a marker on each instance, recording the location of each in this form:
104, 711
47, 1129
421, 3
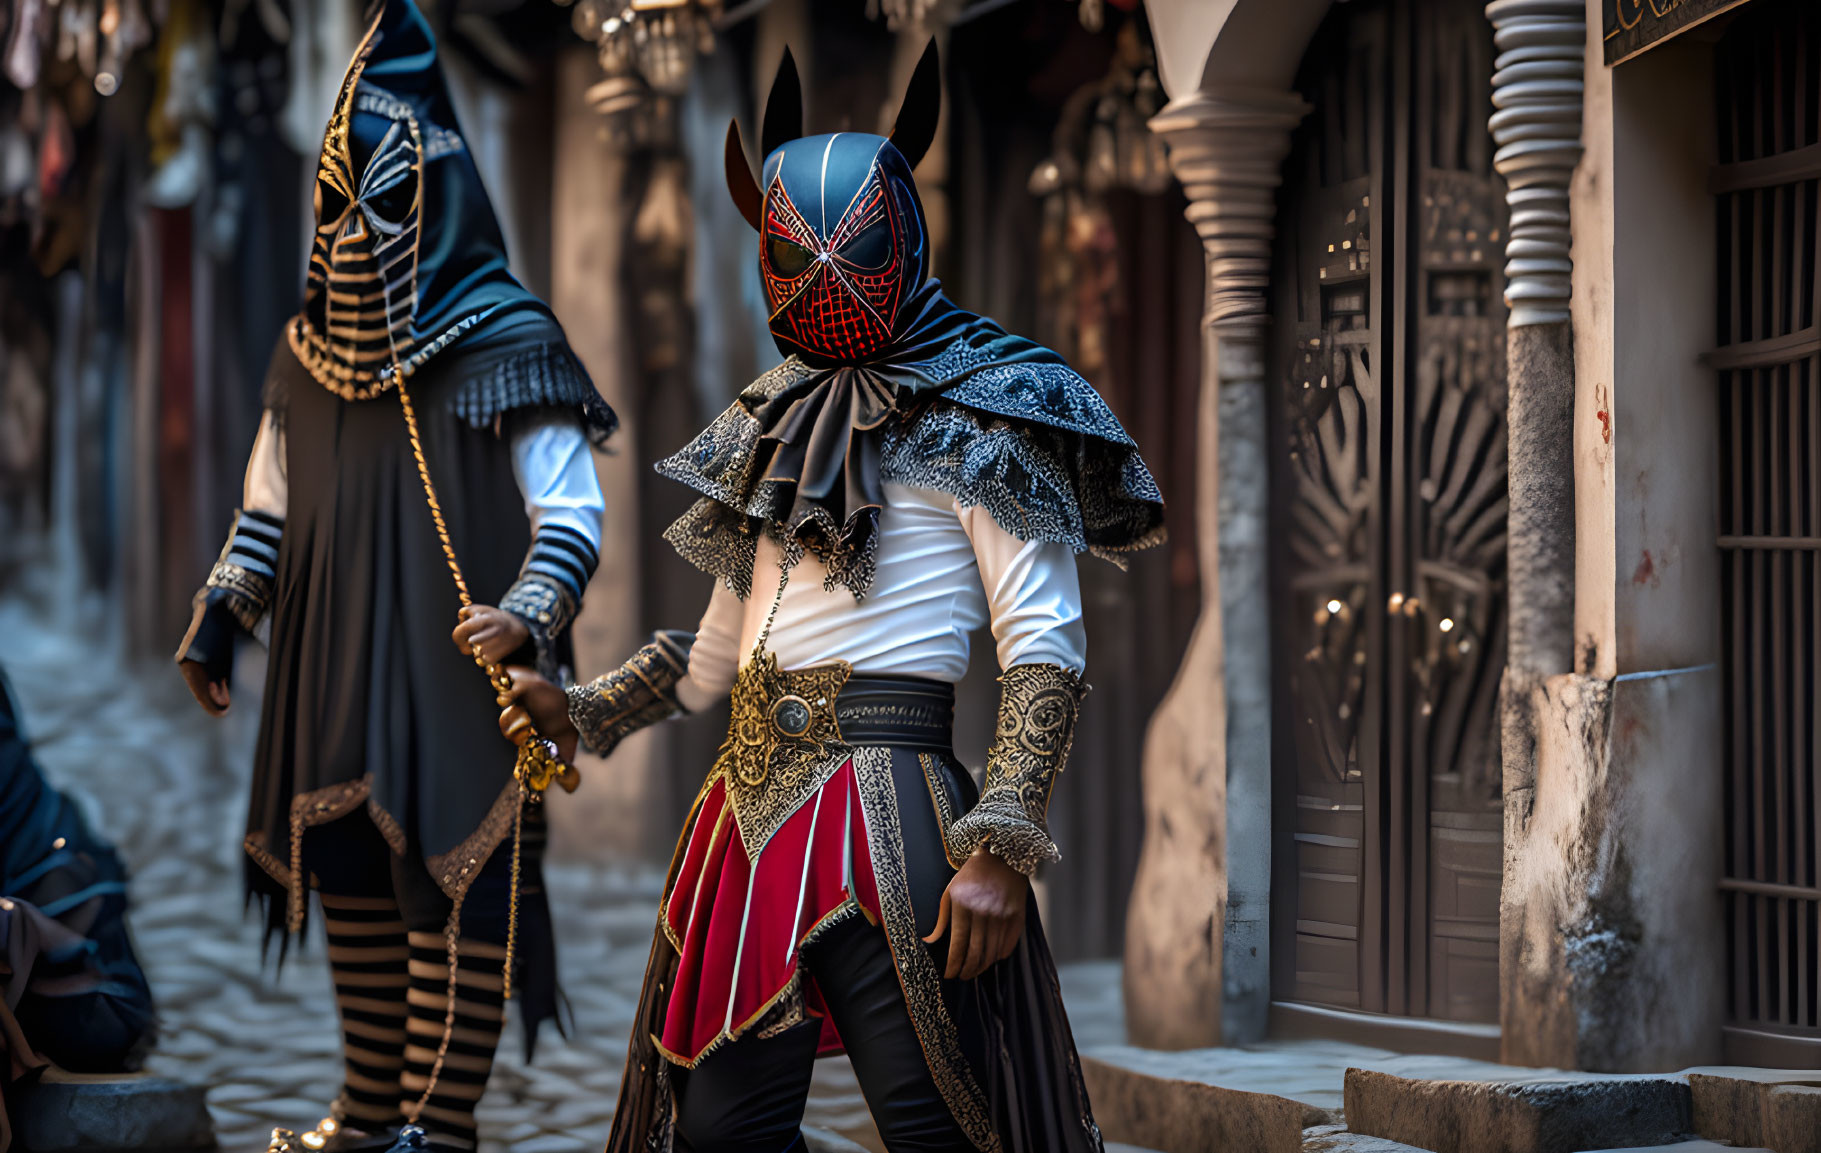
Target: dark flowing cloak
368, 704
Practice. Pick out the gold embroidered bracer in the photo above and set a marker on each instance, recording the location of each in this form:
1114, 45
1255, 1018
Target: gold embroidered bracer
1038, 705
640, 692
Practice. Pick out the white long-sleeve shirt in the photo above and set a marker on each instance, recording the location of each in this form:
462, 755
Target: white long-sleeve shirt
943, 570
550, 461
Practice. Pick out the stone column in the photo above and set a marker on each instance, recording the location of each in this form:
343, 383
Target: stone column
1537, 95
1197, 967
1537, 92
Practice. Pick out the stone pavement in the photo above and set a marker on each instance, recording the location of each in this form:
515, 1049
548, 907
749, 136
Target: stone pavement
167, 784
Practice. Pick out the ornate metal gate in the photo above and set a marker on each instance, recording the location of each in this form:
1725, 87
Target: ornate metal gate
1390, 505
1767, 69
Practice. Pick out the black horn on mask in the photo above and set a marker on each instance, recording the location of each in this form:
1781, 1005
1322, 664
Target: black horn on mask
783, 108
922, 107
783, 123
741, 184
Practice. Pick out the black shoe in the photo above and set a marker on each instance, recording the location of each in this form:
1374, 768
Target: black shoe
411, 1139
414, 1138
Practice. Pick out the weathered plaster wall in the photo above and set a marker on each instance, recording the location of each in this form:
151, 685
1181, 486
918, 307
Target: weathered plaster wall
1612, 942
1591, 208
1664, 465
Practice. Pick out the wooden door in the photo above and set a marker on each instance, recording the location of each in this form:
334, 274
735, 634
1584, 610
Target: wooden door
1389, 498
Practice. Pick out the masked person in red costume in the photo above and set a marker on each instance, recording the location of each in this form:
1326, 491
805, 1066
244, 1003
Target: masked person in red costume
379, 779
910, 473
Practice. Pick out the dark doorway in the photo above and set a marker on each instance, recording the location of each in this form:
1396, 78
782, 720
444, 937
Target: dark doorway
1389, 505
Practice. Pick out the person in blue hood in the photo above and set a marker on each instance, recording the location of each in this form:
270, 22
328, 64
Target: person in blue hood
379, 779
909, 474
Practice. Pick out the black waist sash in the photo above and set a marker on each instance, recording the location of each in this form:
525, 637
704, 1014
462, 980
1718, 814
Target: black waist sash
904, 712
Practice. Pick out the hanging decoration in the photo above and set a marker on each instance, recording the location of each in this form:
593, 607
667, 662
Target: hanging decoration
1102, 143
647, 50
1093, 13
912, 15
95, 37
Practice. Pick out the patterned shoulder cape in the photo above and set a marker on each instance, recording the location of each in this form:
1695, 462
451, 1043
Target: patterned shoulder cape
1028, 440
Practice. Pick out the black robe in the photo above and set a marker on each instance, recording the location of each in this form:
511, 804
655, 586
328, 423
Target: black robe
368, 703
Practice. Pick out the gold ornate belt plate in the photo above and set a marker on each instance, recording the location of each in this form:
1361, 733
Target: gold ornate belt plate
782, 742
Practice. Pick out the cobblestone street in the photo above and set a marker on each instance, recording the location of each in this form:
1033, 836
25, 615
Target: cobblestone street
168, 785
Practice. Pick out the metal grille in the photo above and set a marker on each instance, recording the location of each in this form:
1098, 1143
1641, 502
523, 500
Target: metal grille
1390, 486
1766, 73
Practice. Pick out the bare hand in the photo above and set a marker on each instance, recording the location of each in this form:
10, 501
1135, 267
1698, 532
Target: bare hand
213, 696
497, 632
533, 698
983, 912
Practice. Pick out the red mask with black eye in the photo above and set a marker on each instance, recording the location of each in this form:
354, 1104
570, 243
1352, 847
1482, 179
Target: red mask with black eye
838, 255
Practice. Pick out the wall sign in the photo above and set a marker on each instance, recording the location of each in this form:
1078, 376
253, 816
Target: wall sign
1631, 26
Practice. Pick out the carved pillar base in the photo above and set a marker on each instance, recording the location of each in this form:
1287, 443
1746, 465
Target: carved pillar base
1197, 967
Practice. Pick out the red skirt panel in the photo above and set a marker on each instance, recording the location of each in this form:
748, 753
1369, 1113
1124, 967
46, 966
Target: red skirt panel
738, 924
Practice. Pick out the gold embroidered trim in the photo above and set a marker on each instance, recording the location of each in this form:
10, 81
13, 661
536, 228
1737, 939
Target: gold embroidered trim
250, 592
945, 809
255, 845
793, 986
316, 807
917, 974
456, 869
387, 825
714, 834
792, 1010
1038, 707
640, 692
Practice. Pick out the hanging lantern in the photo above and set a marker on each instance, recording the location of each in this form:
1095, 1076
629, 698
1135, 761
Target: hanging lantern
655, 40
1102, 170
1103, 143
900, 14
1093, 13
647, 50
1104, 140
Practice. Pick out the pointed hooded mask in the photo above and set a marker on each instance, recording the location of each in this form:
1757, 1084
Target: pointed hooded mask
407, 254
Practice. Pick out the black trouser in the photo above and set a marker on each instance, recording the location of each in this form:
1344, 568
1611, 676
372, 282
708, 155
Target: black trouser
748, 1096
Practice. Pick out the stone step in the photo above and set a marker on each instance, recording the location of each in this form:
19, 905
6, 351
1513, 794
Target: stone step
1699, 1145
1172, 1115
1262, 1097
1337, 1139
78, 1113
1547, 1113
1778, 1109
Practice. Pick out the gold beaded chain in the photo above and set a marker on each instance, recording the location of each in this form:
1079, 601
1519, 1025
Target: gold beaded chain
537, 767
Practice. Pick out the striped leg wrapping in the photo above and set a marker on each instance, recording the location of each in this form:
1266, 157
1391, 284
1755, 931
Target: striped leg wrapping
368, 957
449, 1050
